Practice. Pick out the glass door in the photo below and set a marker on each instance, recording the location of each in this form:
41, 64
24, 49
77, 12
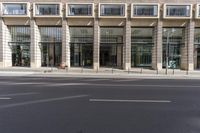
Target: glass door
81, 55
111, 55
51, 54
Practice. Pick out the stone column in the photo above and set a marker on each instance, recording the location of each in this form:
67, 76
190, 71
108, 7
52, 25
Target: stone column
190, 47
65, 44
5, 48
187, 55
35, 49
157, 47
1, 42
96, 47
127, 46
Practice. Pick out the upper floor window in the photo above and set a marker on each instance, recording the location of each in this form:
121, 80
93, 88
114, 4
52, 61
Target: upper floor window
80, 10
14, 9
112, 10
178, 10
145, 10
47, 9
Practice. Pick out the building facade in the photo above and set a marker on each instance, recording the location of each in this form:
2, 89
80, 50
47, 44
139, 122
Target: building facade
124, 34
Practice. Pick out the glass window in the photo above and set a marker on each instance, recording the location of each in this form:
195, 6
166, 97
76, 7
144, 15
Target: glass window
81, 34
80, 10
112, 10
111, 35
177, 10
173, 38
20, 33
47, 9
51, 34
145, 10
141, 47
197, 36
14, 9
142, 35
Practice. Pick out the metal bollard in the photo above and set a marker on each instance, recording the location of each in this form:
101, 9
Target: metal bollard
141, 70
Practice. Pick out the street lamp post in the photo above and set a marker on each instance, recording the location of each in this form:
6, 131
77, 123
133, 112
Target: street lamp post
167, 50
167, 53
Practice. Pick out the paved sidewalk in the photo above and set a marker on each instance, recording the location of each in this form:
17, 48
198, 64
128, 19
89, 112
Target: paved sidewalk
101, 73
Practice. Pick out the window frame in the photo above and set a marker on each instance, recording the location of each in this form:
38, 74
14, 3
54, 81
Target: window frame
79, 16
176, 17
47, 3
145, 4
16, 15
125, 10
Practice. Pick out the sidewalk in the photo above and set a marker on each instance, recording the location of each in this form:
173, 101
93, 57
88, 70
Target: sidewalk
101, 73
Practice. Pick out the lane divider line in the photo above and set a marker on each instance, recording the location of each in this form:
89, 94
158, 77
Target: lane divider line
134, 101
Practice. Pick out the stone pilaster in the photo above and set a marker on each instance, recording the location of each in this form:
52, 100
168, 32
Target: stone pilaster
157, 47
65, 44
191, 28
187, 55
35, 49
127, 46
96, 47
5, 48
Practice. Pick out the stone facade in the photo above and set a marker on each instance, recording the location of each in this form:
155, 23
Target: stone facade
187, 58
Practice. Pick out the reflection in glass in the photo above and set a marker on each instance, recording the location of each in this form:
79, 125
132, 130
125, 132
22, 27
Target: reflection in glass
175, 38
20, 45
51, 45
145, 10
81, 46
14, 9
80, 10
141, 47
47, 9
197, 48
111, 46
178, 10
112, 10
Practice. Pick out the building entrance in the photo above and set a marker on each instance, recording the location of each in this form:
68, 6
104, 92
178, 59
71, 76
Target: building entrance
51, 54
111, 55
20, 54
81, 55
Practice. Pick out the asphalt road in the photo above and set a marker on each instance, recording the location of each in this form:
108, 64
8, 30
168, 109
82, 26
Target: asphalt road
91, 105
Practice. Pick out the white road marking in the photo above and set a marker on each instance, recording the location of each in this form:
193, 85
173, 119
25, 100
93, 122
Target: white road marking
18, 94
139, 85
41, 101
134, 101
5, 98
65, 84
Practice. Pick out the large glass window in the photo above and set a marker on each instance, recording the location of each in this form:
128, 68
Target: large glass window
178, 10
173, 39
197, 48
51, 34
47, 9
145, 10
112, 10
80, 9
20, 45
111, 46
141, 47
15, 9
81, 46
51, 45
